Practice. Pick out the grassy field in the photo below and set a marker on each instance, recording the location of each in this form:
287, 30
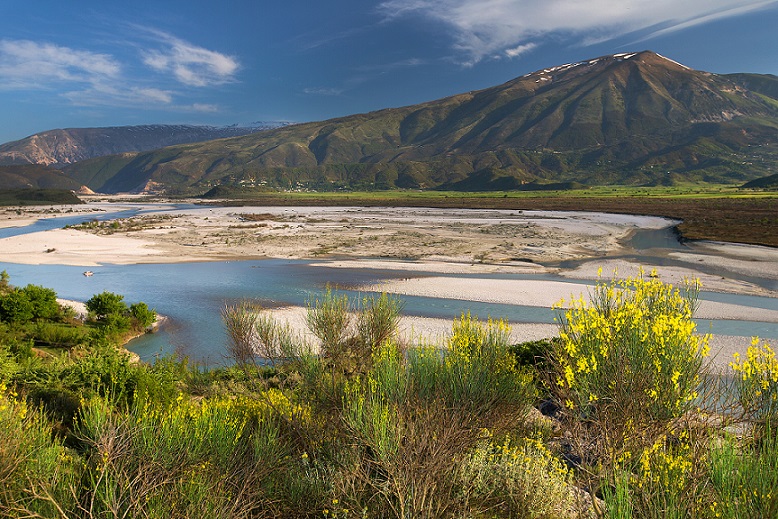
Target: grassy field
710, 213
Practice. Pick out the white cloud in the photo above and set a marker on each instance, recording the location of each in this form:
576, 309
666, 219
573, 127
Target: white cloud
29, 64
515, 52
323, 91
87, 78
190, 64
202, 107
111, 95
488, 27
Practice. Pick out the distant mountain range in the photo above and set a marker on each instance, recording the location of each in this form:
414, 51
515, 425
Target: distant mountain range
61, 147
637, 118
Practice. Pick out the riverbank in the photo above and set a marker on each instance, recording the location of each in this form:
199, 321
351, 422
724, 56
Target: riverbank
511, 238
448, 241
81, 313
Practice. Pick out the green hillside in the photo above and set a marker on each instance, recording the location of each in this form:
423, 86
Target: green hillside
636, 119
36, 176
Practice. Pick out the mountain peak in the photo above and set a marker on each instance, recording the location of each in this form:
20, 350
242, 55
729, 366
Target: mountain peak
645, 57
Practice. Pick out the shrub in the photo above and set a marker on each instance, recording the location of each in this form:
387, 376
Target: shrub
5, 285
329, 319
59, 335
103, 370
520, 479
377, 320
666, 479
745, 478
16, 307
756, 380
628, 366
142, 315
105, 304
634, 348
212, 458
36, 472
43, 300
415, 413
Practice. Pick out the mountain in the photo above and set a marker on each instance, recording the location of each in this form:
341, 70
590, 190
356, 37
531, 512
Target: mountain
36, 176
636, 118
766, 84
61, 147
770, 182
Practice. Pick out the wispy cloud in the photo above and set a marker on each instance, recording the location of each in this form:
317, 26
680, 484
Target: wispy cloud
30, 64
510, 27
515, 52
323, 91
364, 74
87, 78
111, 95
188, 63
203, 107
387, 67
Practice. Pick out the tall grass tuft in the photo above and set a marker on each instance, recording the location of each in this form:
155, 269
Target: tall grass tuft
37, 472
329, 319
415, 414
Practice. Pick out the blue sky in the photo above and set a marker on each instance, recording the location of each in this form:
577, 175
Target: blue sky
102, 63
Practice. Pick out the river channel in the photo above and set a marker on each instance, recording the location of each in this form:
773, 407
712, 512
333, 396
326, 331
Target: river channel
192, 295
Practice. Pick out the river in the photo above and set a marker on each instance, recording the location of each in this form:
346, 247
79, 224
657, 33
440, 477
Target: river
192, 295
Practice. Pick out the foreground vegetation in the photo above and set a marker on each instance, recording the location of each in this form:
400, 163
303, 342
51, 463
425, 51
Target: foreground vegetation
360, 425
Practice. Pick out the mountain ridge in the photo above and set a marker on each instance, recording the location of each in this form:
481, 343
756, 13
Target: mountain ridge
631, 118
64, 146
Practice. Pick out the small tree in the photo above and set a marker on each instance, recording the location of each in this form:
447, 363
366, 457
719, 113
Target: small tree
142, 315
5, 285
105, 304
15, 307
43, 300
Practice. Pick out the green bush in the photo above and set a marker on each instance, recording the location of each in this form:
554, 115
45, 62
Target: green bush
105, 304
329, 319
745, 478
43, 300
59, 335
16, 308
142, 315
37, 473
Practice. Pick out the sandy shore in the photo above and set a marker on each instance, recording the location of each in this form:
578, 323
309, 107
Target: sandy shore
539, 294
215, 233
414, 330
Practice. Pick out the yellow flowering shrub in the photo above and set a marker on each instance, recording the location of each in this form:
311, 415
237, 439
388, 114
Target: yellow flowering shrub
634, 346
521, 478
657, 481
756, 377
